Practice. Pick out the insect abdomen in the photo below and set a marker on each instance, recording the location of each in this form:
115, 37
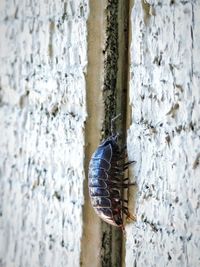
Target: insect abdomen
105, 198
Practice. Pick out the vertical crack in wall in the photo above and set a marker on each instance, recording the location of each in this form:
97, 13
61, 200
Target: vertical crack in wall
91, 237
115, 102
111, 53
124, 78
106, 94
110, 235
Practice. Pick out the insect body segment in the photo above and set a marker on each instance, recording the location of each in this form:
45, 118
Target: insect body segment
106, 182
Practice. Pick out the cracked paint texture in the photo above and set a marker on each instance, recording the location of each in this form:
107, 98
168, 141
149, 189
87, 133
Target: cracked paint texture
164, 136
43, 57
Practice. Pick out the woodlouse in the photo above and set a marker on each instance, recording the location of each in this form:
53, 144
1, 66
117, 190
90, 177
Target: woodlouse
106, 181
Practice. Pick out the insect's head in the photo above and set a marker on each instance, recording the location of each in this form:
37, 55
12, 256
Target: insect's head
110, 140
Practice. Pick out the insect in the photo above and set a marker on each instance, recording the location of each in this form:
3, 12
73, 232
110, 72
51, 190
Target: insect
106, 181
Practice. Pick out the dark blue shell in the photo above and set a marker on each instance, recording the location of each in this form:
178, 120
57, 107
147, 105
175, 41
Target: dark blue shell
105, 198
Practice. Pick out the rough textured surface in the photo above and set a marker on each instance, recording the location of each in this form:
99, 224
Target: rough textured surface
164, 137
42, 112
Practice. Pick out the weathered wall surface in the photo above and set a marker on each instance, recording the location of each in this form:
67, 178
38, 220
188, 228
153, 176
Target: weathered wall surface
42, 112
164, 137
43, 57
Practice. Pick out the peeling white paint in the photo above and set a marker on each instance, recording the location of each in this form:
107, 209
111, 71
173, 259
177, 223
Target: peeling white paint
43, 57
164, 134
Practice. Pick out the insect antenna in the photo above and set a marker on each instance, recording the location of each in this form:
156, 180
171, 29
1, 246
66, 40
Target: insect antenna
113, 128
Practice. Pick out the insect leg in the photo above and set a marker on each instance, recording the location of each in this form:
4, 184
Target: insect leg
112, 125
125, 165
124, 201
128, 184
129, 162
130, 216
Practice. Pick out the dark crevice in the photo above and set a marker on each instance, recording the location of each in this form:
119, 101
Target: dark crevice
111, 54
115, 101
100, 238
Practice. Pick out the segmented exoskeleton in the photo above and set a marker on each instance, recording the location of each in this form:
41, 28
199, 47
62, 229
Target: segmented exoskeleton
106, 181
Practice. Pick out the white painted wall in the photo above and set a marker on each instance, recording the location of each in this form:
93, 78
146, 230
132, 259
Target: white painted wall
43, 59
164, 137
